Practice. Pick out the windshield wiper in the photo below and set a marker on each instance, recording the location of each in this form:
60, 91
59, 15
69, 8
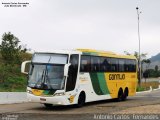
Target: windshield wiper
40, 80
47, 80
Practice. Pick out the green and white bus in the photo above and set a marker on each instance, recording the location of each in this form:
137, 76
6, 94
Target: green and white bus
79, 76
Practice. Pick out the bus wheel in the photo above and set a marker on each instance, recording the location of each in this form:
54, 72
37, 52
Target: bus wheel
48, 105
120, 95
81, 99
125, 94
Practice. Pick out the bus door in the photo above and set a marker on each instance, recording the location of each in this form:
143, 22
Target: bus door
72, 72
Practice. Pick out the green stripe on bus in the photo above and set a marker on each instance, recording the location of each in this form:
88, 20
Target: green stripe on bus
102, 83
89, 53
95, 84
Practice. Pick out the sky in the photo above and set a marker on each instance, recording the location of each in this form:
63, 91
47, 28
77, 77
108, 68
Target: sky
110, 25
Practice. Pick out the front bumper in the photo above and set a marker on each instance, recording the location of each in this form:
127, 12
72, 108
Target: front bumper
55, 100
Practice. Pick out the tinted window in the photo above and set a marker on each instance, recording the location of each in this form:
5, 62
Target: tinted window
130, 66
121, 65
133, 65
85, 64
50, 58
127, 66
105, 64
114, 65
95, 64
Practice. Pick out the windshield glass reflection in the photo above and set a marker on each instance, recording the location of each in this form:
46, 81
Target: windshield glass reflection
45, 76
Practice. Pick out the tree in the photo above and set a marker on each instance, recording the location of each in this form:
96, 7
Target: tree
10, 48
136, 54
156, 68
143, 57
143, 60
156, 71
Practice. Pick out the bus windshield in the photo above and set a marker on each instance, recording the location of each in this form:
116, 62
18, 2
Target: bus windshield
43, 76
47, 71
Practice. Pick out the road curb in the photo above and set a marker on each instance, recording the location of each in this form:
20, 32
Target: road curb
151, 89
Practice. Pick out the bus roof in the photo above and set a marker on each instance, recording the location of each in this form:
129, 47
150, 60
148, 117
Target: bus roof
104, 53
60, 52
90, 52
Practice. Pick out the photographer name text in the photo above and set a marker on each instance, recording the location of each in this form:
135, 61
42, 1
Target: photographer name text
15, 4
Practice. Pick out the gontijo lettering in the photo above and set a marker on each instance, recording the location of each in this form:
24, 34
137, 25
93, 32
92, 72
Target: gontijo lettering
116, 76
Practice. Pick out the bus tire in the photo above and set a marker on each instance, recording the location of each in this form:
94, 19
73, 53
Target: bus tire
120, 95
125, 94
48, 105
81, 99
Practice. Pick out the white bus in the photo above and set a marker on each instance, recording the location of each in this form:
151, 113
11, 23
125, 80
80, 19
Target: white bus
79, 76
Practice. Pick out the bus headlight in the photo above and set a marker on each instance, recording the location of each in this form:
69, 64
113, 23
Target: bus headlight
59, 94
29, 91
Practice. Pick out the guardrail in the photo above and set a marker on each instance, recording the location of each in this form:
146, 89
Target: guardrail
13, 97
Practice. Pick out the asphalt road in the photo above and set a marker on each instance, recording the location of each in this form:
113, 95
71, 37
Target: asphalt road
32, 111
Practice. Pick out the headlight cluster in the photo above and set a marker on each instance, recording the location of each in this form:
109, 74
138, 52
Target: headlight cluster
29, 91
59, 94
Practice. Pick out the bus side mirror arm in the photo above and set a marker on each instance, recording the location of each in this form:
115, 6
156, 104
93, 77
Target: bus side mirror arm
66, 68
23, 67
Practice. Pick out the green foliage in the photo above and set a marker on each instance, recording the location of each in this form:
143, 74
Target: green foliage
11, 56
11, 78
14, 84
146, 86
156, 68
25, 56
152, 73
10, 49
142, 56
139, 88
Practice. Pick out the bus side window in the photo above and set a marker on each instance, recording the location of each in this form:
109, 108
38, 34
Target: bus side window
130, 66
105, 64
133, 66
95, 64
85, 64
121, 65
127, 66
114, 65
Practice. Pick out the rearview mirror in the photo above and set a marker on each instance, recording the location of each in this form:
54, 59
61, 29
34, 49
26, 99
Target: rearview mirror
25, 67
66, 67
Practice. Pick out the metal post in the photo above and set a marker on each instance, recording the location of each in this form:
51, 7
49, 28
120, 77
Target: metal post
139, 81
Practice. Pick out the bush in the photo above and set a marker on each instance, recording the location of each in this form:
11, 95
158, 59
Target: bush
11, 56
14, 84
139, 88
11, 78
